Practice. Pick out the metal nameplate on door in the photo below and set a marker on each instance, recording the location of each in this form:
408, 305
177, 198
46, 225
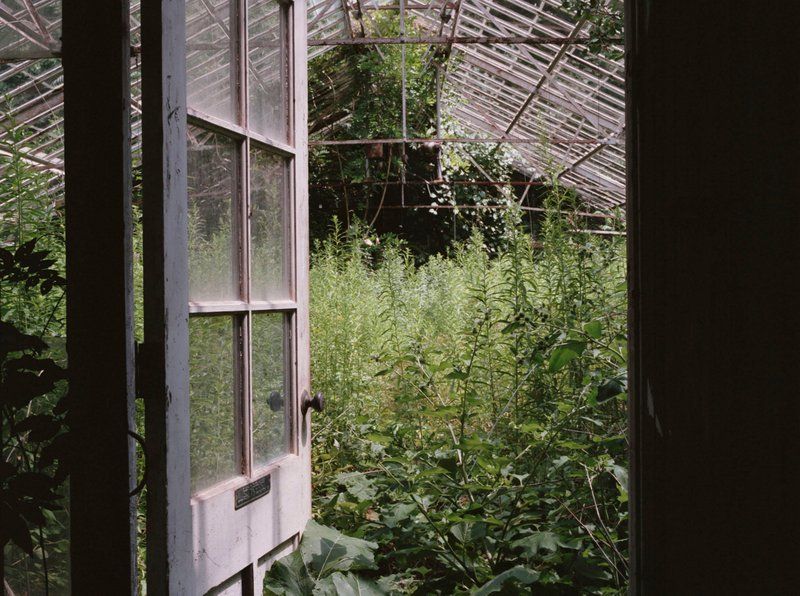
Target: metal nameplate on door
252, 492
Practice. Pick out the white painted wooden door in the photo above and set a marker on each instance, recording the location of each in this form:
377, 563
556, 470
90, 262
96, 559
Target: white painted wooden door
247, 286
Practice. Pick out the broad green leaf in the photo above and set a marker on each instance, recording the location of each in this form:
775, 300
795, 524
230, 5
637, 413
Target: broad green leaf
458, 530
475, 443
289, 577
572, 445
457, 375
380, 439
429, 472
513, 326
358, 485
536, 542
594, 329
349, 584
515, 575
399, 513
576, 345
533, 544
325, 550
609, 388
560, 358
531, 427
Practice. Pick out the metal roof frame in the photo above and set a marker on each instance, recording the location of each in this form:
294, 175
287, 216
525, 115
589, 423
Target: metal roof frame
515, 70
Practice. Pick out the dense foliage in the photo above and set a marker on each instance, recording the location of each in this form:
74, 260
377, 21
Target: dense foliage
476, 422
33, 426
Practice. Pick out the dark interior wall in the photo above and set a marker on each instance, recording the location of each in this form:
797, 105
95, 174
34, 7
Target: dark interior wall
714, 217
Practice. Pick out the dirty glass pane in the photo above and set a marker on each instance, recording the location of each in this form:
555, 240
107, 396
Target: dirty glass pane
212, 392
271, 389
268, 225
209, 58
212, 187
268, 69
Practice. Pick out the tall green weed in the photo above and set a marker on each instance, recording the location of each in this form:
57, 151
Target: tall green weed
476, 430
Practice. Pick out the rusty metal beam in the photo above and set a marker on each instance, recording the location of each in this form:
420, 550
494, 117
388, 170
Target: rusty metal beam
458, 40
374, 182
347, 22
503, 207
512, 140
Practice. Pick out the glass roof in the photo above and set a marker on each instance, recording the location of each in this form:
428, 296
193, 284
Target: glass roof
559, 104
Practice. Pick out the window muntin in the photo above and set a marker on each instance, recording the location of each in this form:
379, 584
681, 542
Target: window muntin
241, 252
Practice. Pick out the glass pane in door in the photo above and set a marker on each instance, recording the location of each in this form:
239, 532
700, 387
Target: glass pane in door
209, 64
268, 69
212, 222
268, 226
212, 393
271, 387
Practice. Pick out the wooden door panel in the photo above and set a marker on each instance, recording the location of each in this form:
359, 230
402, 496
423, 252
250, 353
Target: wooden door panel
224, 538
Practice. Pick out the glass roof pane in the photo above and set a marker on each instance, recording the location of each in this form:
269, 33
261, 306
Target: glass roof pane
29, 28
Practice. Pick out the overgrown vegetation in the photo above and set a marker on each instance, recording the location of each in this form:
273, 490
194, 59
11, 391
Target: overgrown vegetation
363, 182
476, 424
475, 438
33, 428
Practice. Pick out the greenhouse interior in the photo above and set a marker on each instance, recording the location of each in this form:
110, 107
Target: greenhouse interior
332, 297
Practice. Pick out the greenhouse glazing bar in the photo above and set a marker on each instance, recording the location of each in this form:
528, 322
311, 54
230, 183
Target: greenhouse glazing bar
545, 76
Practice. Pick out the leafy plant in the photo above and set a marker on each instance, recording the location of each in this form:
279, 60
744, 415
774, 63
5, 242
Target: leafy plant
327, 563
32, 359
30, 211
33, 406
607, 20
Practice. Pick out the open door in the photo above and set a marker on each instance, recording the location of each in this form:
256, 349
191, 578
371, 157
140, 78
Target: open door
226, 297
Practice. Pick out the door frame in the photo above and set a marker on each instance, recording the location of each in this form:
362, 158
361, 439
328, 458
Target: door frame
97, 77
100, 339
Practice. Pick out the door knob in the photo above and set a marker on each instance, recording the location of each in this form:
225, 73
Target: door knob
317, 403
275, 401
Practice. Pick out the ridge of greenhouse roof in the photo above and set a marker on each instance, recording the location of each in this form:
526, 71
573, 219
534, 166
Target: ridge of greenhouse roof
572, 99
